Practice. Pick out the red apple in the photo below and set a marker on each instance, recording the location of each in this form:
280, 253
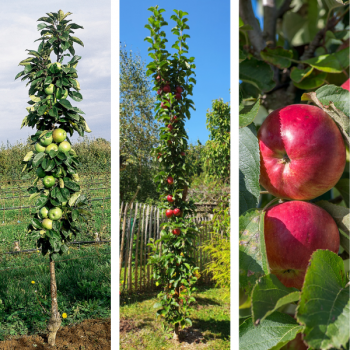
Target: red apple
295, 344
159, 91
177, 212
170, 198
302, 152
162, 105
169, 213
174, 119
179, 89
293, 231
158, 77
170, 127
170, 180
183, 154
166, 88
170, 142
176, 231
346, 85
178, 96
159, 155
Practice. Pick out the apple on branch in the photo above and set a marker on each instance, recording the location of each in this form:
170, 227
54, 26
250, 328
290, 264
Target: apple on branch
302, 152
293, 231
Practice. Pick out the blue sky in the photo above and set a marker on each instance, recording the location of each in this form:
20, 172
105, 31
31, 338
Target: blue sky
209, 24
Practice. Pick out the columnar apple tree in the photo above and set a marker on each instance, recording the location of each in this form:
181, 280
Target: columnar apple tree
59, 204
173, 80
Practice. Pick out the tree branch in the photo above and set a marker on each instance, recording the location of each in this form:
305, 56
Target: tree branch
270, 18
255, 35
284, 8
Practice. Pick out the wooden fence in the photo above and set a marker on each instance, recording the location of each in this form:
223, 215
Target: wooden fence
139, 223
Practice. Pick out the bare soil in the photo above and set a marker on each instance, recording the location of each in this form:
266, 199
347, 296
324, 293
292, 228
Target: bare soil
87, 335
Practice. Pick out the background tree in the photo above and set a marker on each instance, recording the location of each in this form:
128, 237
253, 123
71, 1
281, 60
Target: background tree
138, 129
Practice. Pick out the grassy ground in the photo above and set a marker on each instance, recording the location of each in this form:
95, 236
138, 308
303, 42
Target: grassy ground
141, 330
83, 282
13, 223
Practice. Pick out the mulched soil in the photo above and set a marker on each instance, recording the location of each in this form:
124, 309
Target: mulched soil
88, 335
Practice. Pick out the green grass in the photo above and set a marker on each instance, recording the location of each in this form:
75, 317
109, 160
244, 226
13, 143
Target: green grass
211, 315
84, 289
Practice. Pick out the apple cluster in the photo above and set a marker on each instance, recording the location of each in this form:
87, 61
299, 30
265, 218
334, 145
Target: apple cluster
302, 156
51, 141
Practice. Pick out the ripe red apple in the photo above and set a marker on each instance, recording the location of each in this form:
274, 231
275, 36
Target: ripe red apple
177, 212
174, 119
170, 198
170, 180
170, 127
169, 213
183, 154
295, 344
346, 85
293, 231
170, 142
166, 88
302, 152
159, 91
176, 231
179, 89
178, 96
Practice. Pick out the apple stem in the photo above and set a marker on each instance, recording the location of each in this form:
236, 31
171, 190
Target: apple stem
268, 204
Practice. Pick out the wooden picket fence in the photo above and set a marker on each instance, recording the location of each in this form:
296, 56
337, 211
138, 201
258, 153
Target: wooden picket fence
139, 223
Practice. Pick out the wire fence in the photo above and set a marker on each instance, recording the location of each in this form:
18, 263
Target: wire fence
139, 224
16, 211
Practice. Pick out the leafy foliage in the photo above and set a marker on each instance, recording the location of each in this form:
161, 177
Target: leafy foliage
50, 85
173, 74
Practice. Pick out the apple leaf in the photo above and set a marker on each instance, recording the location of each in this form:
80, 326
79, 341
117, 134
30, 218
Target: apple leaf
278, 56
247, 113
258, 73
273, 333
249, 168
343, 187
66, 104
343, 57
325, 63
242, 56
341, 216
268, 295
312, 81
297, 75
335, 102
252, 252
324, 307
335, 3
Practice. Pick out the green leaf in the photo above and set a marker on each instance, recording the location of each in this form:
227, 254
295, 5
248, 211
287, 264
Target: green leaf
73, 198
249, 168
335, 3
273, 333
28, 156
247, 113
41, 202
278, 56
76, 40
268, 295
312, 80
66, 104
324, 307
36, 223
343, 187
76, 96
325, 63
242, 56
251, 266
297, 75
258, 73
157, 305
38, 159
343, 57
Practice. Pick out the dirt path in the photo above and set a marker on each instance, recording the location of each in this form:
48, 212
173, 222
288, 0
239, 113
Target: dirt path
88, 335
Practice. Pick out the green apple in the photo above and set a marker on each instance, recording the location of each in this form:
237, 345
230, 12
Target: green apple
39, 148
64, 146
44, 212
61, 95
64, 204
51, 147
47, 223
55, 213
48, 181
49, 89
49, 97
46, 139
59, 135
40, 172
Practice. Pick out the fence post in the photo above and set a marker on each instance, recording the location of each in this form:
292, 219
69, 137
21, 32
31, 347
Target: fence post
131, 248
137, 248
121, 253
126, 246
